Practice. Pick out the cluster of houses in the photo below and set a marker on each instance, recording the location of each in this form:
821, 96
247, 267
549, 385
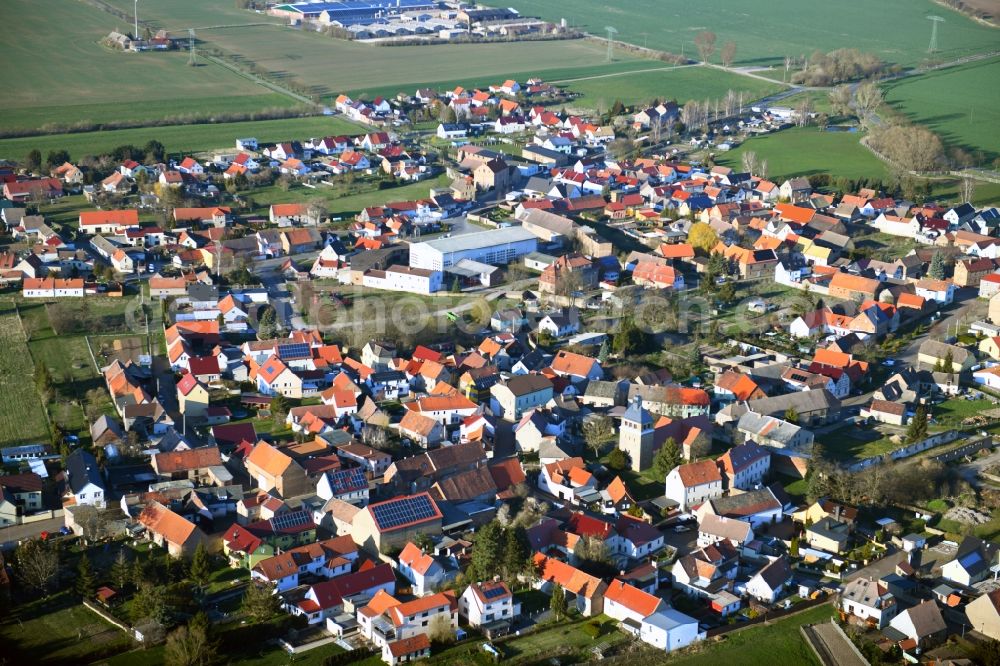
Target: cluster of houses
361, 519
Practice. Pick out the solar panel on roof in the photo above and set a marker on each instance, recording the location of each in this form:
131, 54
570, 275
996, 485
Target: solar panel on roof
293, 350
494, 592
347, 480
284, 521
403, 511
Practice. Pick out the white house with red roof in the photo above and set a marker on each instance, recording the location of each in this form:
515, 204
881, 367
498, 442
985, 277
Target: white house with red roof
488, 605
424, 571
625, 602
409, 619
637, 538
329, 558
568, 480
274, 377
692, 484
326, 599
191, 166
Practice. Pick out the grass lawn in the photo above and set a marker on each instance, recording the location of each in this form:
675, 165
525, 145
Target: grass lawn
855, 444
959, 104
342, 202
181, 138
951, 413
778, 642
682, 84
57, 63
59, 630
796, 488
22, 417
807, 27
809, 151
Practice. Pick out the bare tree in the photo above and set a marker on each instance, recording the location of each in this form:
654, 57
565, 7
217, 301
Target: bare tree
804, 109
840, 99
762, 169
788, 66
689, 114
375, 437
597, 432
867, 100
37, 565
749, 160
705, 43
728, 53
968, 189
189, 646
730, 103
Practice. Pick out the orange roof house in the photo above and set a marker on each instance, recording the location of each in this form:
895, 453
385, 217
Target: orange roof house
167, 529
741, 386
589, 590
631, 600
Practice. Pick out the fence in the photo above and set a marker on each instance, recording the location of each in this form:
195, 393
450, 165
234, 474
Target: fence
965, 450
41, 516
908, 450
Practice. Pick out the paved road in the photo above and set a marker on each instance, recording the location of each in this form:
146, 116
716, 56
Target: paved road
970, 471
10, 535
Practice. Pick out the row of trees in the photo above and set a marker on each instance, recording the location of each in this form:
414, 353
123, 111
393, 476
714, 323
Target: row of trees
825, 69
705, 43
902, 483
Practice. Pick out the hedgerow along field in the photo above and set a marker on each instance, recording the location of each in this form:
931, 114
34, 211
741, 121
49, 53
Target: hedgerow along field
959, 104
57, 72
179, 139
895, 30
22, 418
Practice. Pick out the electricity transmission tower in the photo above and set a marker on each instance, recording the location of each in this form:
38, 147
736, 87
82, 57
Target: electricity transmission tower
933, 46
192, 58
611, 41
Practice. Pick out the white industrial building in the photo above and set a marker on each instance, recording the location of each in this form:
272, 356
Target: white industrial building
495, 247
403, 278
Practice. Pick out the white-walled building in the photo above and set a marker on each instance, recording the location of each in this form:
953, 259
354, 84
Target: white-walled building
870, 601
694, 483
404, 278
485, 604
494, 247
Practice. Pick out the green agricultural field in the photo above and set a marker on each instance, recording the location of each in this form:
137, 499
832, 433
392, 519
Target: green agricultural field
680, 83
959, 104
307, 57
809, 151
22, 418
765, 35
54, 63
181, 138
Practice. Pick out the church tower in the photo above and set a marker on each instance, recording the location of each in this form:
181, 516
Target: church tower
636, 435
